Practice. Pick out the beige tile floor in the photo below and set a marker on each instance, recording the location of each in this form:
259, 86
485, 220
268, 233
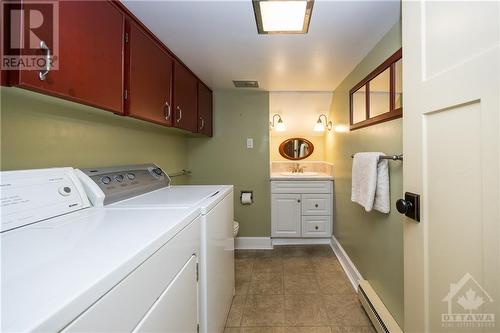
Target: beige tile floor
294, 289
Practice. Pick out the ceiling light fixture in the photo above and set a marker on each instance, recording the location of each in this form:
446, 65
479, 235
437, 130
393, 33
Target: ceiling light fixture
279, 126
320, 125
283, 16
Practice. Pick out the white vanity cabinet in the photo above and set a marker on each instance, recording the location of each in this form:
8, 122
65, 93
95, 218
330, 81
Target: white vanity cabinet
301, 208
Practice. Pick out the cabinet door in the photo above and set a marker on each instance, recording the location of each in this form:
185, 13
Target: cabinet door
90, 56
185, 95
177, 308
149, 78
204, 110
285, 215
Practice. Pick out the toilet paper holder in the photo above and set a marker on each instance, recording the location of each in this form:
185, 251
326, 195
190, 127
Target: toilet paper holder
242, 193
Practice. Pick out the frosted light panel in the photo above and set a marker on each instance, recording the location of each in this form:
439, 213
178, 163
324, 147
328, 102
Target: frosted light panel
380, 96
359, 105
283, 15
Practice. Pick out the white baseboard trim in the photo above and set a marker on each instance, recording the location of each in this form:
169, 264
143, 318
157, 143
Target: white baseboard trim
253, 243
351, 271
300, 241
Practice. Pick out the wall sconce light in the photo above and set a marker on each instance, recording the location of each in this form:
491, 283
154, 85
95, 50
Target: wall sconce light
320, 125
279, 126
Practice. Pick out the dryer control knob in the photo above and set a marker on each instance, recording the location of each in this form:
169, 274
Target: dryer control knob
106, 180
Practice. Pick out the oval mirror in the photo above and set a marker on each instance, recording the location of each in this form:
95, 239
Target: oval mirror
296, 148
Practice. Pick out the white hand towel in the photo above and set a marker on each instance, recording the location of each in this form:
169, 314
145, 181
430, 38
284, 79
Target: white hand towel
370, 182
382, 201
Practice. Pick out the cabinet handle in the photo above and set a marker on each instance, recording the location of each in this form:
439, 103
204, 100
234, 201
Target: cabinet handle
316, 227
298, 200
202, 123
43, 73
316, 205
180, 114
168, 110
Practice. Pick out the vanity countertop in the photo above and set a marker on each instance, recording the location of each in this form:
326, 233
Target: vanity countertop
300, 176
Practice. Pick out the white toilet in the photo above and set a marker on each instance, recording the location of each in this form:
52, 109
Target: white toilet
236, 226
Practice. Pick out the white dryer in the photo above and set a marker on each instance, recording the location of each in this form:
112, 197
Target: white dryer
149, 188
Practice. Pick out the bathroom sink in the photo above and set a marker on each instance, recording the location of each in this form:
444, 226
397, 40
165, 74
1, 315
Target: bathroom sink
299, 174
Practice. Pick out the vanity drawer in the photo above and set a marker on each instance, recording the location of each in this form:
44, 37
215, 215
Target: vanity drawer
316, 226
316, 204
302, 186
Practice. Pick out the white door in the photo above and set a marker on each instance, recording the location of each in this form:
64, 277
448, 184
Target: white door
451, 71
285, 215
176, 310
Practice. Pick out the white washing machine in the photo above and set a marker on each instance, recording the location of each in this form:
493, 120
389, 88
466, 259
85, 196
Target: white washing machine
107, 187
62, 259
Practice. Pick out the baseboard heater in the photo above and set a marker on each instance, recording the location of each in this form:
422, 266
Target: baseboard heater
380, 317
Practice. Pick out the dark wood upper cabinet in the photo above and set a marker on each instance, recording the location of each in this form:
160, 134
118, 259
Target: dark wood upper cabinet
185, 96
149, 78
204, 110
90, 56
106, 58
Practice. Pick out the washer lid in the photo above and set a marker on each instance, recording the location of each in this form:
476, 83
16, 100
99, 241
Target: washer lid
54, 270
30, 196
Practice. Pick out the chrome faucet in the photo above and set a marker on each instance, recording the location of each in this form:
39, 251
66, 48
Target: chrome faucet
297, 168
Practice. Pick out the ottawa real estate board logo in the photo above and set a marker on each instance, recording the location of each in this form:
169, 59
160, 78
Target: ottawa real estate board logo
30, 36
468, 303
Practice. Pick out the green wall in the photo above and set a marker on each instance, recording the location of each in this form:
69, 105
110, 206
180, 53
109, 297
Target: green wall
225, 159
373, 241
39, 131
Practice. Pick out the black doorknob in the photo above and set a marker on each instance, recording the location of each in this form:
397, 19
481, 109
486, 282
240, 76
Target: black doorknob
403, 206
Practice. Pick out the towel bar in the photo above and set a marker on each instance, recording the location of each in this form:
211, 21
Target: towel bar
183, 172
389, 157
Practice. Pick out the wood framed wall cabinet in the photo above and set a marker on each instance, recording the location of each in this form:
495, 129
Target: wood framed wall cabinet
149, 76
185, 96
90, 56
205, 110
378, 97
107, 58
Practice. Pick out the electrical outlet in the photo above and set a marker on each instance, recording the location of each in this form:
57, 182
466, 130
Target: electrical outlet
249, 143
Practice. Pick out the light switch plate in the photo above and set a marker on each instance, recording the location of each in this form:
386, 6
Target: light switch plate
249, 142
